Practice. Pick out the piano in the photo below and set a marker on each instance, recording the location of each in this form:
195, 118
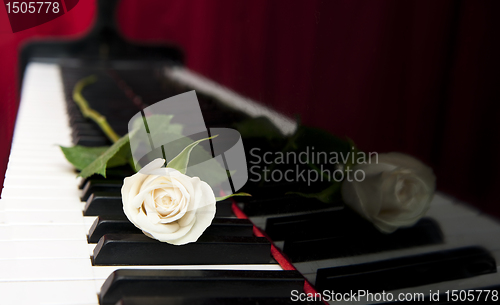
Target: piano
65, 240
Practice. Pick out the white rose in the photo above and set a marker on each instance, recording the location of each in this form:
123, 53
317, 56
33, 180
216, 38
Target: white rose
396, 192
168, 205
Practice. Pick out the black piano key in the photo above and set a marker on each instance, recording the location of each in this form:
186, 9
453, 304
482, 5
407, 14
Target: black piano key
75, 116
76, 135
86, 131
91, 141
193, 300
331, 224
230, 227
355, 241
110, 225
304, 225
115, 173
282, 204
279, 189
224, 208
110, 204
104, 204
138, 249
408, 271
200, 283
120, 225
107, 185
74, 121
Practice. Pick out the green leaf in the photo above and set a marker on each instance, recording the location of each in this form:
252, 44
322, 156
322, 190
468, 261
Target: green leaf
180, 162
82, 156
232, 195
159, 124
328, 195
320, 139
117, 153
161, 129
259, 127
323, 141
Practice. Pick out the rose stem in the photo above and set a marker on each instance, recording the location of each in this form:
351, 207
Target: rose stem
89, 112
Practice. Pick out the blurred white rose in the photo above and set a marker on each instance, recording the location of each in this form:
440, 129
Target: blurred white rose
168, 205
395, 193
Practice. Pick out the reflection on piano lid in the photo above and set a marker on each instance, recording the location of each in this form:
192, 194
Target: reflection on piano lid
53, 241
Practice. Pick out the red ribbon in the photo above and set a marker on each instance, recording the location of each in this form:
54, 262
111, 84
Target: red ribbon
279, 256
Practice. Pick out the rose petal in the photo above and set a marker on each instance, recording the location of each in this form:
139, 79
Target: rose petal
155, 164
168, 205
204, 217
396, 192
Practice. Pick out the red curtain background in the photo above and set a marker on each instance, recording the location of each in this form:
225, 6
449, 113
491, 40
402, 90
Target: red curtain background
420, 77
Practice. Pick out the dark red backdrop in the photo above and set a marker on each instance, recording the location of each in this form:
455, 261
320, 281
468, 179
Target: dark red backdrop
421, 77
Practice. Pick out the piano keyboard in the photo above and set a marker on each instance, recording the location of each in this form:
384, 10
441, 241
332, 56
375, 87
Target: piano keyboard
46, 257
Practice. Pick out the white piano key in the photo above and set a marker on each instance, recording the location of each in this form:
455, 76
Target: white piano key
45, 204
68, 269
88, 221
23, 152
43, 232
90, 248
45, 131
43, 217
49, 293
5, 233
21, 173
47, 148
36, 182
43, 249
43, 168
30, 160
35, 193
41, 141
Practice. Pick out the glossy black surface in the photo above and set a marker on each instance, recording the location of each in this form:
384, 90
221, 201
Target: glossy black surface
94, 186
138, 249
220, 227
188, 300
278, 203
104, 204
115, 173
199, 283
110, 204
408, 271
317, 235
